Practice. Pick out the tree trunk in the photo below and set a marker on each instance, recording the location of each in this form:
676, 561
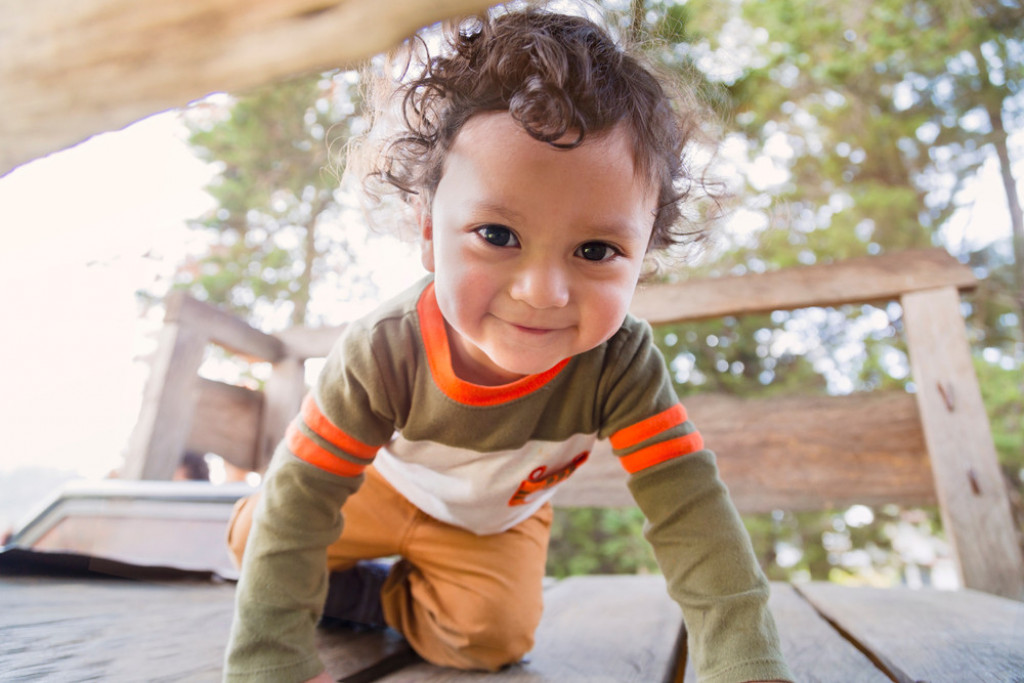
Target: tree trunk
1013, 203
993, 97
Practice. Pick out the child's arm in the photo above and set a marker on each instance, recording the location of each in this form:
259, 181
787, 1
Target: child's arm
319, 464
710, 568
284, 578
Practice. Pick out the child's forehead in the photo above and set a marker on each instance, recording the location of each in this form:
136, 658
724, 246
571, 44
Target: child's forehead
496, 132
495, 166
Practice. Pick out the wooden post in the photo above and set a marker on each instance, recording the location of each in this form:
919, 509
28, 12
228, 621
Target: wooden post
168, 405
282, 397
968, 481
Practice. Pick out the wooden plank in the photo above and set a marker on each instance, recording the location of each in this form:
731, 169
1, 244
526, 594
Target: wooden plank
814, 650
792, 453
975, 507
223, 328
112, 62
361, 656
168, 404
226, 422
123, 630
114, 630
599, 629
859, 280
927, 635
282, 398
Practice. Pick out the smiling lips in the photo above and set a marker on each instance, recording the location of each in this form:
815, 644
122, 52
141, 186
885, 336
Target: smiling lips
532, 329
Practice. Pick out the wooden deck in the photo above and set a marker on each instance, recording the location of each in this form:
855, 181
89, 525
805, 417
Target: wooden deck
595, 629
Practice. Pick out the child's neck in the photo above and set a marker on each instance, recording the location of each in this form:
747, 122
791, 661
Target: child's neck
469, 368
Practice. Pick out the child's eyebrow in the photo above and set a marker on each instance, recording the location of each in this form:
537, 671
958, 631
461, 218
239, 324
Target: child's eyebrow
491, 207
616, 231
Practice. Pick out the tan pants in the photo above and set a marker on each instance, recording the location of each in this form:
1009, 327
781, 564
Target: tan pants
461, 600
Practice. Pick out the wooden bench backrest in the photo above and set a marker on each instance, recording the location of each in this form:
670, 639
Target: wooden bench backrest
795, 453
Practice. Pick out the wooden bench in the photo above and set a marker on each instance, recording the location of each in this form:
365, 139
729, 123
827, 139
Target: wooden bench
596, 629
793, 453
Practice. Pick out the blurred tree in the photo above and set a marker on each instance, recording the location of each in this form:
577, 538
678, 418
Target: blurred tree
850, 129
276, 192
856, 126
599, 541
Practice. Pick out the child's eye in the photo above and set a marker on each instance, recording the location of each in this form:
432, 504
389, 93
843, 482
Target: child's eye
596, 251
498, 235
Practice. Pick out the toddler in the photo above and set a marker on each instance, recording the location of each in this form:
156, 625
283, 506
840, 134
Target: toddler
543, 164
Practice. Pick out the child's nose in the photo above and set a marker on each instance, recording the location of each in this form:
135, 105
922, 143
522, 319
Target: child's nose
541, 284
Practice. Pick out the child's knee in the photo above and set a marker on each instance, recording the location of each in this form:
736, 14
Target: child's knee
503, 646
497, 635
239, 525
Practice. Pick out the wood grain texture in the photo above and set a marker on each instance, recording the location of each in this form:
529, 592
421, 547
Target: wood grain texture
282, 398
227, 422
792, 453
169, 400
860, 280
596, 629
926, 635
72, 68
114, 630
814, 651
223, 329
123, 631
975, 507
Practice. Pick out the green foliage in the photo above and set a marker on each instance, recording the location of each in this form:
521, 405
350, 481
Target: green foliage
275, 195
860, 545
995, 317
1002, 389
599, 541
872, 117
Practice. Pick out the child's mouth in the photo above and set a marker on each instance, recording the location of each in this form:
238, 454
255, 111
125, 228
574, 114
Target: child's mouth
533, 330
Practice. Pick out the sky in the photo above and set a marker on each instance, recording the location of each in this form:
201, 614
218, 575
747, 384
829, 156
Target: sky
82, 230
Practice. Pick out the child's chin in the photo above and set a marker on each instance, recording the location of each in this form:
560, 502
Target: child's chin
520, 369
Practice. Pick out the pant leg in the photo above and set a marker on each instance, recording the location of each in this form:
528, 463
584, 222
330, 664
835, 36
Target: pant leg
376, 518
461, 600
239, 526
468, 601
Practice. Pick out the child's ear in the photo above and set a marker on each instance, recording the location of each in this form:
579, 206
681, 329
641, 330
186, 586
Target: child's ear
426, 239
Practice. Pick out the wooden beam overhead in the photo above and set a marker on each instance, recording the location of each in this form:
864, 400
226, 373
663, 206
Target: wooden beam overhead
862, 280
72, 69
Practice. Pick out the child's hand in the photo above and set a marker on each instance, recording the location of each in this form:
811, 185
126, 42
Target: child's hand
322, 678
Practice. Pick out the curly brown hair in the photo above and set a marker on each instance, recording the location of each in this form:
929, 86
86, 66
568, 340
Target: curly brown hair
558, 76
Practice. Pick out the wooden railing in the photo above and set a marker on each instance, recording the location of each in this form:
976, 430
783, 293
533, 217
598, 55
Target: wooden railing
792, 453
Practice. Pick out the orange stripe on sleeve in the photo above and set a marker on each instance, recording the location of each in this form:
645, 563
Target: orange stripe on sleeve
660, 452
306, 449
652, 426
325, 429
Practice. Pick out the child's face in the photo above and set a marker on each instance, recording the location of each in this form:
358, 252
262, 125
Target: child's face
536, 251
